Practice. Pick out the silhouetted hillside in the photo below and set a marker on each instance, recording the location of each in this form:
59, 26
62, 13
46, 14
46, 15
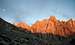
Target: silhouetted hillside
12, 35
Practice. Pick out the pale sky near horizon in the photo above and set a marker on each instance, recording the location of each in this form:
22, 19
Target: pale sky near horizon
30, 11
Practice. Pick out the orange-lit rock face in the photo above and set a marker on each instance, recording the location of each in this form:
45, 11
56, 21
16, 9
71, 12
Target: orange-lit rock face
45, 26
51, 25
23, 25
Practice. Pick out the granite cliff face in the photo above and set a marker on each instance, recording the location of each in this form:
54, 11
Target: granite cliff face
51, 25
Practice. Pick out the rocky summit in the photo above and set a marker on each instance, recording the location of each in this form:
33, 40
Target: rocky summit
51, 25
16, 35
54, 26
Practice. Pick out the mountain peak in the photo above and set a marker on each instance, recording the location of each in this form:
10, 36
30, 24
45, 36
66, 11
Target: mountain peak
23, 25
52, 18
53, 26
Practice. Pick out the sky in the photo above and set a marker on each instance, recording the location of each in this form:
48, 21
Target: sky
30, 11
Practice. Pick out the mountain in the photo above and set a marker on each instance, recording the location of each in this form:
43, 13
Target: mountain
23, 25
51, 25
45, 26
12, 35
54, 26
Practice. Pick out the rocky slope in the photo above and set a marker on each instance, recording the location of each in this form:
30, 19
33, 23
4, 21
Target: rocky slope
12, 35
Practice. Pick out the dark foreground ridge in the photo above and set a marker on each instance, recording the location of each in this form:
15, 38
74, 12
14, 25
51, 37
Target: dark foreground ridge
12, 35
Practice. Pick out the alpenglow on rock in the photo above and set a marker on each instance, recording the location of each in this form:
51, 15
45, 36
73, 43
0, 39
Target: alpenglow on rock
53, 26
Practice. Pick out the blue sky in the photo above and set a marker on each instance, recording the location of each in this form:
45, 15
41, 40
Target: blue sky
30, 11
